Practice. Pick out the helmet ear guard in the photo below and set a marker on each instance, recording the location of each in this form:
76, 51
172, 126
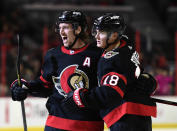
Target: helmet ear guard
121, 31
93, 32
78, 30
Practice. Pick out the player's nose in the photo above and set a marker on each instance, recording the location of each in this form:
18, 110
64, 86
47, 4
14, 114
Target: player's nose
61, 31
96, 36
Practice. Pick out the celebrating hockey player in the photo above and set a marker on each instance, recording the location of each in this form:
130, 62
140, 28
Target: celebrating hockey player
66, 68
123, 96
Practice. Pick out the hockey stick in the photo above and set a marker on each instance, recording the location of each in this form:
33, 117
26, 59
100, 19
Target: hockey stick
19, 81
164, 101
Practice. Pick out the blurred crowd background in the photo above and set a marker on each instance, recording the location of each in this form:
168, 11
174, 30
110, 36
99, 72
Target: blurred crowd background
151, 24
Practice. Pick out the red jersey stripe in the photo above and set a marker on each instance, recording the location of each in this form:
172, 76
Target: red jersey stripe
129, 108
74, 125
118, 89
46, 84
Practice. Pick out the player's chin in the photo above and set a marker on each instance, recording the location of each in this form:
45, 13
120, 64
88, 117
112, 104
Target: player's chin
100, 45
66, 44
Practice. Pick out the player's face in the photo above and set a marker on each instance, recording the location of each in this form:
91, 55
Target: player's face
101, 38
67, 33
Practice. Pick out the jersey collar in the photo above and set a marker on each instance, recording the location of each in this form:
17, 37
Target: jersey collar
73, 51
122, 44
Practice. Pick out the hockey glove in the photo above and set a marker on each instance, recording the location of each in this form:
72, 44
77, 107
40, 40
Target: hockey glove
19, 93
74, 100
146, 84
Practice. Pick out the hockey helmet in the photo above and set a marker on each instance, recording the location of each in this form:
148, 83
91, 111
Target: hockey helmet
76, 18
110, 23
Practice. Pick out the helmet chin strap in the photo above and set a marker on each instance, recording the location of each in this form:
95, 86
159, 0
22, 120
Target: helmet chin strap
74, 42
109, 44
70, 46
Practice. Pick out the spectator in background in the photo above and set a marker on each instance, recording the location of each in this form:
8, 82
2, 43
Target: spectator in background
165, 79
164, 76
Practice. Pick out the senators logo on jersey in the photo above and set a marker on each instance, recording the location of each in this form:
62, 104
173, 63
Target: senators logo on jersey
110, 54
71, 78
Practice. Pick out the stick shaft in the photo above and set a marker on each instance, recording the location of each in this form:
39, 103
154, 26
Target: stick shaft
24, 115
165, 101
19, 82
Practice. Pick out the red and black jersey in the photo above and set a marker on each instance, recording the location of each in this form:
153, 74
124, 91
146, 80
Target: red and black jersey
64, 71
118, 70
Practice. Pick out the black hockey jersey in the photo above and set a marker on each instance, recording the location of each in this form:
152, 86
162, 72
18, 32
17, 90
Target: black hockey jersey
64, 71
118, 70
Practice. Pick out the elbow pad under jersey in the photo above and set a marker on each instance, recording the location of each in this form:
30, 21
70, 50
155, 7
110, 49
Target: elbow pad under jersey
38, 88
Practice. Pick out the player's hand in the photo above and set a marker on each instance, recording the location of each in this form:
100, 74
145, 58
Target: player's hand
19, 93
74, 102
146, 84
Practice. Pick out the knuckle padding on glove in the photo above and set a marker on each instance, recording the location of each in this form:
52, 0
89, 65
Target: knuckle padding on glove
18, 93
146, 84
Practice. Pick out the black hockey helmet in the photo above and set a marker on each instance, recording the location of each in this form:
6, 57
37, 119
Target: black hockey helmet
76, 18
110, 23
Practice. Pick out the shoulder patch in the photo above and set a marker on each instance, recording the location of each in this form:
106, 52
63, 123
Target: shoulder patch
110, 54
135, 58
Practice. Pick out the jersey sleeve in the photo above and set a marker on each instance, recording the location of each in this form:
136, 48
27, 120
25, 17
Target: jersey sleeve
109, 93
38, 88
111, 90
115, 81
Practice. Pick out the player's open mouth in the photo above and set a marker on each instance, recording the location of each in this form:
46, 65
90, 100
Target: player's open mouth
98, 42
64, 38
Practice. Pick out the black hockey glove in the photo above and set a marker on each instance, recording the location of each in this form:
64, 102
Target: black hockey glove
74, 101
146, 84
19, 93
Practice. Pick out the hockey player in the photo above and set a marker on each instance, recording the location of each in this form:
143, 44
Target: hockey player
123, 96
66, 68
